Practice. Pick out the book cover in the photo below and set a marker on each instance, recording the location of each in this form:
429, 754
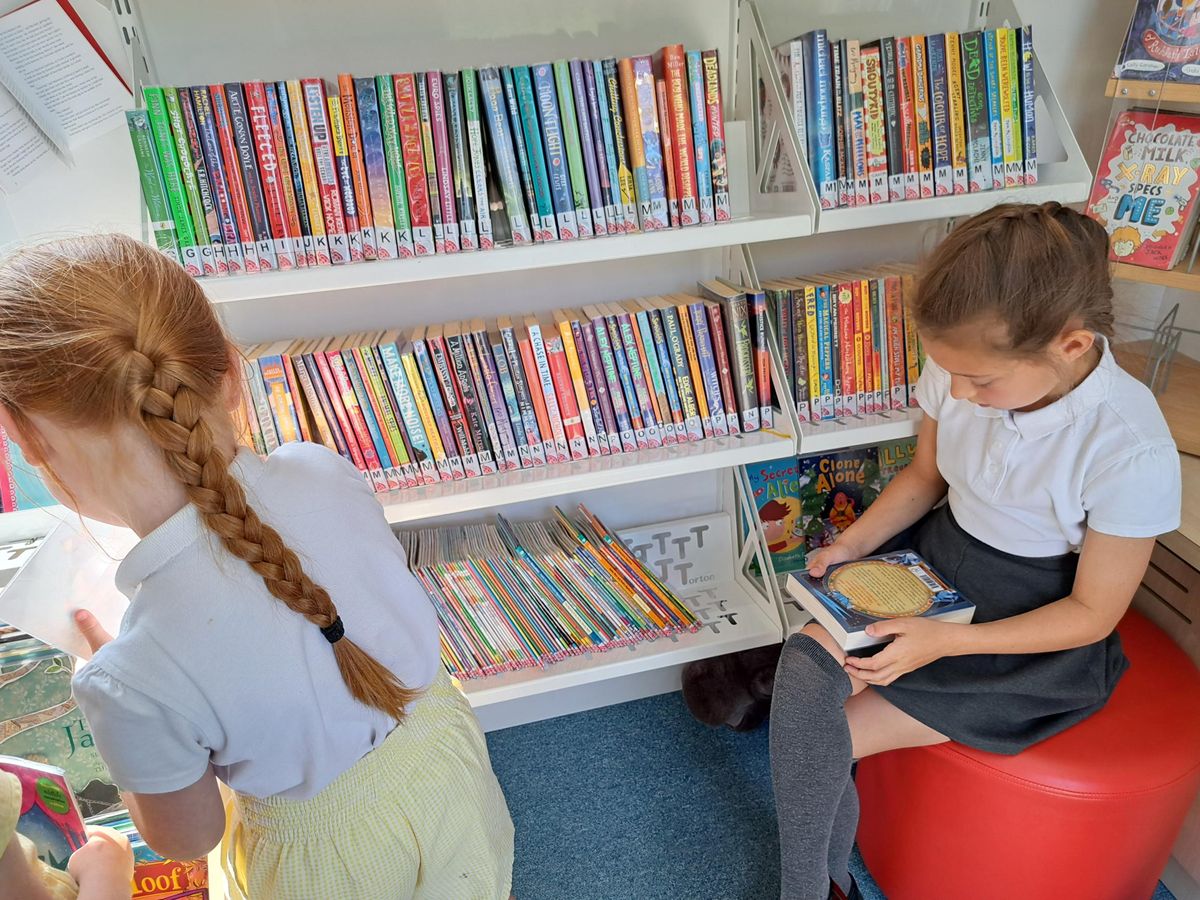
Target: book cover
460, 166
279, 102
975, 112
283, 239
587, 145
876, 122
835, 489
894, 456
561, 186
358, 172
49, 814
622, 142
776, 490
154, 192
544, 222
572, 149
256, 204
995, 125
716, 134
1146, 186
345, 176
215, 259
958, 127
297, 107
1029, 102
893, 137
939, 116
646, 104
700, 145
679, 114
524, 164
442, 170
375, 166
818, 104
417, 181
233, 175
327, 174
219, 181
606, 148
429, 155
668, 153
1162, 44
853, 595
908, 117
921, 115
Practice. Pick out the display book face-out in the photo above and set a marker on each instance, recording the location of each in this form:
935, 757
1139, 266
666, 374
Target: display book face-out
852, 595
49, 815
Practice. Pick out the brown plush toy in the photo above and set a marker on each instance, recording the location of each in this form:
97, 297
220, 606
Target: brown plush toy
732, 690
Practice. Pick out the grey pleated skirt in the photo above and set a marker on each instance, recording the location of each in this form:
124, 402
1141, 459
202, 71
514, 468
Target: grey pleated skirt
1003, 703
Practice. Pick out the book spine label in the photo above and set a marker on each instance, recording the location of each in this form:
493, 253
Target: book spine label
1014, 102
757, 309
495, 415
446, 431
345, 177
700, 144
308, 174
683, 316
876, 125
673, 334
1007, 122
658, 340
326, 170
464, 192
154, 193
358, 172
818, 101
430, 166
556, 155
975, 112
444, 169
958, 126
233, 176
256, 205
842, 138
921, 113
721, 355
358, 421
208, 207
375, 167
544, 224
513, 407
472, 403
908, 118
524, 166
395, 176
939, 116
648, 356
625, 346
1028, 103
572, 149
537, 447
804, 383
169, 168
543, 385
437, 446
587, 146
995, 119
219, 182
385, 415
824, 350
637, 152
626, 182
187, 179
892, 116
414, 424
618, 383
857, 122
453, 402
679, 114
584, 377
912, 350
862, 342
366, 406
647, 103
709, 372
504, 154
411, 125
473, 122
845, 326
606, 164
306, 253
894, 311
259, 121
564, 391
286, 183
668, 152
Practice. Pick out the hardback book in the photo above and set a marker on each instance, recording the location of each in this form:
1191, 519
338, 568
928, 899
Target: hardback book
1146, 186
851, 596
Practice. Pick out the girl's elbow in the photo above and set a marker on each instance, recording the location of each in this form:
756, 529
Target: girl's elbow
185, 847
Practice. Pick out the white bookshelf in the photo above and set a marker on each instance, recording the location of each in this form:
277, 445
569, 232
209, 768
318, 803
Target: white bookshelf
854, 431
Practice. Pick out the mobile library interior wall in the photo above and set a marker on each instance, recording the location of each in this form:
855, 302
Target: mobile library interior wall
182, 43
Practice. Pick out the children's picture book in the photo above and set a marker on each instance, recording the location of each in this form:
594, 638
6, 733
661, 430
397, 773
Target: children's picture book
853, 595
776, 496
834, 490
1162, 44
155, 877
1146, 186
49, 816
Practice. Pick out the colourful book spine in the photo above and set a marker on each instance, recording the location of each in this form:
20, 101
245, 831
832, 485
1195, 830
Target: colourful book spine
819, 104
658, 340
706, 362
1009, 125
721, 356
905, 76
318, 404
385, 412
1018, 116
975, 112
572, 149
825, 355
437, 407
345, 174
252, 427
256, 204
326, 170
473, 122
912, 348
806, 303
939, 116
574, 363
871, 375
891, 107
437, 446
648, 356
417, 184
495, 109
524, 395
847, 393
756, 303
368, 406
679, 114
958, 124
606, 163
280, 399
862, 341
558, 408
795, 358
358, 172
637, 151
621, 329
842, 138
894, 313
406, 403
306, 246
564, 391
544, 223
577, 350
208, 223
270, 175
856, 120
533, 378
875, 123
1028, 93
668, 153
460, 167
358, 407
308, 173
995, 119
524, 166
469, 399
219, 182
632, 402
442, 156
700, 144
453, 402
375, 165
647, 103
621, 145
233, 175
511, 403
683, 315
596, 333
387, 397
154, 192
168, 162
921, 114
187, 178
393, 158
561, 192
333, 389
430, 166
673, 333
284, 180
262, 406
483, 370
587, 146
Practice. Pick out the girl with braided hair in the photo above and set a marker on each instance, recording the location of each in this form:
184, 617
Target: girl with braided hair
1028, 492
275, 640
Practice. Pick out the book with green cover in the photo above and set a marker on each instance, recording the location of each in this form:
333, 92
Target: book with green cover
169, 166
187, 169
570, 128
154, 192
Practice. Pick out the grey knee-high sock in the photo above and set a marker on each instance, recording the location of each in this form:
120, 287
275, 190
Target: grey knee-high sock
841, 836
810, 763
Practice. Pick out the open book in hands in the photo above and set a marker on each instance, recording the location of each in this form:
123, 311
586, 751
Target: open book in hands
852, 595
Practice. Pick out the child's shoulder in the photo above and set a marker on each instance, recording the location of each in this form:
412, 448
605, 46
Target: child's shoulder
1130, 412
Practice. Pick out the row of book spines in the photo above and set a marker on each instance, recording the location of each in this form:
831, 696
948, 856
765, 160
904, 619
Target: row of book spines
261, 176
462, 400
847, 345
911, 117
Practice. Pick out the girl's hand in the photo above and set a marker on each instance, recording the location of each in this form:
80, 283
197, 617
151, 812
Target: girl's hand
917, 642
103, 866
91, 629
837, 552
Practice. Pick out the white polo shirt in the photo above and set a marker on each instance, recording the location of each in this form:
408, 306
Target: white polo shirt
1032, 483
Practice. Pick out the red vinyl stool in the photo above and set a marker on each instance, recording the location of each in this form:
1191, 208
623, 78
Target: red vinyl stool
1089, 814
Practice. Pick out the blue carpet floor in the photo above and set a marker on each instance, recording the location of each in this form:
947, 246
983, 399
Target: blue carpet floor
640, 802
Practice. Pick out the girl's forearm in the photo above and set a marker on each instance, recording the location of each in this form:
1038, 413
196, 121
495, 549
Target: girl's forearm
1061, 625
910, 495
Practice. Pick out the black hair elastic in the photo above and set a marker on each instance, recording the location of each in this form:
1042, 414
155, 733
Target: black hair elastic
335, 631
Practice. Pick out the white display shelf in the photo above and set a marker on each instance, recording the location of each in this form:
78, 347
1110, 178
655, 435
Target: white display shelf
855, 431
29, 523
447, 498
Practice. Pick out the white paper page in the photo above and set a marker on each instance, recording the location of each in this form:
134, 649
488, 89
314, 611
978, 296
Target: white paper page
24, 151
73, 569
60, 78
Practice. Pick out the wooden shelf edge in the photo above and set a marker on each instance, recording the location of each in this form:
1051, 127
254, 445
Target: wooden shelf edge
1170, 91
1172, 278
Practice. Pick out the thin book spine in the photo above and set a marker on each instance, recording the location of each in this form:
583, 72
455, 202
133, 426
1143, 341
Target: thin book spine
345, 175
509, 392
637, 153
524, 396
442, 159
358, 171
894, 307
469, 399
995, 119
557, 408
418, 183
684, 383
908, 118
707, 364
233, 174
683, 317
892, 116
168, 162
646, 100
219, 182
856, 121
700, 145
806, 302
1028, 103
735, 422
543, 217
203, 187
876, 123
308, 172
920, 80
595, 332
912, 349
658, 339
270, 175
187, 178
573, 149
428, 152
464, 191
587, 146
256, 204
679, 115
825, 355
958, 125
524, 165
621, 330
819, 109
326, 170
557, 167
862, 340
406, 403
495, 413
668, 153
839, 110
591, 391
307, 244
1014, 89
939, 116
1009, 126
606, 163
375, 168
393, 160
564, 392
621, 145
496, 111
473, 119
975, 112
154, 193
283, 177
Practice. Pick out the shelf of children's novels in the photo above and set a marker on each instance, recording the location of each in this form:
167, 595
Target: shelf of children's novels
924, 129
